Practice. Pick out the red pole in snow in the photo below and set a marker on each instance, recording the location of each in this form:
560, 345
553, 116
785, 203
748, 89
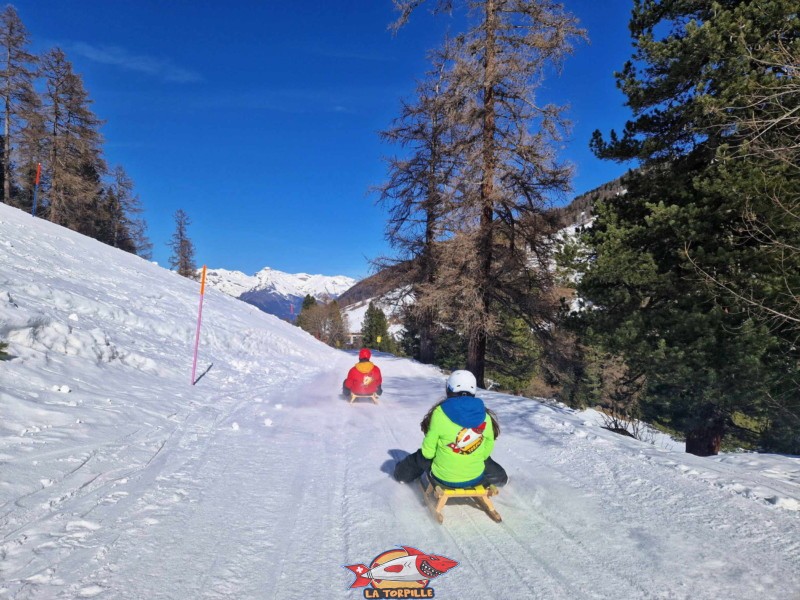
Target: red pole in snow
199, 321
36, 186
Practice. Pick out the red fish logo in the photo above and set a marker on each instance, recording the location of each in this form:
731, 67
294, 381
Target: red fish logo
468, 440
406, 568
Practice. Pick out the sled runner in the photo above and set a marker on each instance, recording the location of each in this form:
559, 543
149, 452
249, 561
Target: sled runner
436, 497
373, 397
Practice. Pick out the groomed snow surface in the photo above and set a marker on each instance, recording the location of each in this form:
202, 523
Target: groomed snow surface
119, 479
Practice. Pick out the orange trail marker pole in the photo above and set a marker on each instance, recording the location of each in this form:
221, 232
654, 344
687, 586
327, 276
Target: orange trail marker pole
199, 321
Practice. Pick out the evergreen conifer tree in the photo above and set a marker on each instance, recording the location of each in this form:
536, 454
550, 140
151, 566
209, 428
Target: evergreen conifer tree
182, 258
116, 213
701, 356
375, 330
305, 318
3, 350
512, 355
308, 302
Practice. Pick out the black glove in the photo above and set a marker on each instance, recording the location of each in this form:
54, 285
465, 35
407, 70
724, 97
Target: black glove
379, 390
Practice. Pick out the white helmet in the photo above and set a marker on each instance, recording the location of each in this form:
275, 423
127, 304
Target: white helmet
462, 381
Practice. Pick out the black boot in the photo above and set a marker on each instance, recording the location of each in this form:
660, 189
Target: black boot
494, 474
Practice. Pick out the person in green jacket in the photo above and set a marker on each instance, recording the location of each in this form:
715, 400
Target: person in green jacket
459, 437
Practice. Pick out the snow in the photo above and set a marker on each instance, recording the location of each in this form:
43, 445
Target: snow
356, 313
122, 480
391, 303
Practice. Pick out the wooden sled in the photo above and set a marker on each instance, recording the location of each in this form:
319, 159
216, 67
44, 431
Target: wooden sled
373, 397
437, 496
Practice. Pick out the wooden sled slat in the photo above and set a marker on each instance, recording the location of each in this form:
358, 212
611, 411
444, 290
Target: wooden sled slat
427, 493
373, 397
437, 496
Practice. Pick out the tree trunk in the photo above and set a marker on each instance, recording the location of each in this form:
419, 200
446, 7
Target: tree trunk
55, 171
427, 346
427, 350
705, 440
7, 134
476, 352
476, 356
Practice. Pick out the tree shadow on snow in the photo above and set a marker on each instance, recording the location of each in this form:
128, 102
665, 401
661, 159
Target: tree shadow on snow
534, 419
416, 391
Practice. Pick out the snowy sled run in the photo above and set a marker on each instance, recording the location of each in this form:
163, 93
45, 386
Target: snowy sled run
437, 496
373, 397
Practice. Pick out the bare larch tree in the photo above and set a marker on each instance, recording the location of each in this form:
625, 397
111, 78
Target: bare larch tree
17, 72
74, 146
499, 250
418, 194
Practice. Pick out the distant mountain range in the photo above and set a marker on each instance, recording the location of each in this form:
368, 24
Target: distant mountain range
282, 294
276, 292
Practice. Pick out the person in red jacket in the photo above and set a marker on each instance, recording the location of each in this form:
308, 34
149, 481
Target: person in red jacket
364, 379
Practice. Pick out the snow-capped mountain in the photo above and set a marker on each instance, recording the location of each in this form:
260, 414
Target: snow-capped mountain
276, 292
233, 283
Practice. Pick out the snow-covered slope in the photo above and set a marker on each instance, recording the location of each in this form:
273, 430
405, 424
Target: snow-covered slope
276, 292
391, 304
121, 480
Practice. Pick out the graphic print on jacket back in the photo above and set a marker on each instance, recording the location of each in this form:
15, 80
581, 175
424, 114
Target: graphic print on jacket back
363, 378
468, 440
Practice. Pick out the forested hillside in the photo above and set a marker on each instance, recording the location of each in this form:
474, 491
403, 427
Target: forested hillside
52, 148
685, 282
696, 268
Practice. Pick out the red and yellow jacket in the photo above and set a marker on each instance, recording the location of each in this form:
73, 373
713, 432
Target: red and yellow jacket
364, 379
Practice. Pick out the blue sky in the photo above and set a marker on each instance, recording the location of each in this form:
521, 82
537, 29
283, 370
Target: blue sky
260, 119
